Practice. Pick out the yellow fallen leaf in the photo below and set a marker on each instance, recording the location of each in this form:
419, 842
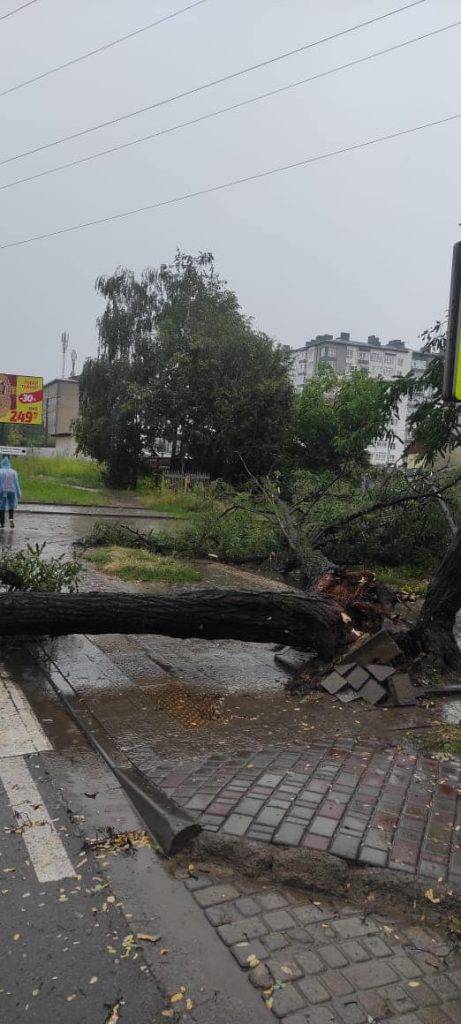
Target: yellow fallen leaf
94, 979
7, 871
414, 984
147, 938
128, 944
163, 952
429, 894
35, 991
253, 961
177, 997
286, 970
167, 1013
113, 1015
269, 1003
189, 1004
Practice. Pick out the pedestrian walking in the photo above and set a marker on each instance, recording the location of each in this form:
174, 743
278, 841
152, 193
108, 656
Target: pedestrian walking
10, 492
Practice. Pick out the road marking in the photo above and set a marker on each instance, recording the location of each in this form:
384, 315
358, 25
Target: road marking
43, 843
20, 729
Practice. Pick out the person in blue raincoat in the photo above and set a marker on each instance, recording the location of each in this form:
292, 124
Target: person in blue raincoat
10, 491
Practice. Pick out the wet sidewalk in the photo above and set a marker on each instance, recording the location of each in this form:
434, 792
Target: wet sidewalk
369, 803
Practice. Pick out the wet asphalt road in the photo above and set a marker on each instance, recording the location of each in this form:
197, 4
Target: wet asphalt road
60, 530
61, 943
71, 918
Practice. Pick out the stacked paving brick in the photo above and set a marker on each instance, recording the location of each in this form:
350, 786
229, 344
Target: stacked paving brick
372, 683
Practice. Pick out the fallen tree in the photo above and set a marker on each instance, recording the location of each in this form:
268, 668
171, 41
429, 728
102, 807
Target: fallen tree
307, 621
433, 631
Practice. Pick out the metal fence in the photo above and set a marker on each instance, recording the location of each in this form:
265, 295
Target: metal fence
184, 480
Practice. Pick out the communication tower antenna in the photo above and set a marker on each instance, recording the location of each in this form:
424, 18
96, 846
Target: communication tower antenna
73, 361
64, 347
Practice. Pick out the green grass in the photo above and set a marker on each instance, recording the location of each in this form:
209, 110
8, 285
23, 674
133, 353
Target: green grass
69, 481
142, 566
61, 481
79, 472
163, 498
443, 739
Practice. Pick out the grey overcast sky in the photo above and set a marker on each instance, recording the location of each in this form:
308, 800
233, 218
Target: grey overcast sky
360, 243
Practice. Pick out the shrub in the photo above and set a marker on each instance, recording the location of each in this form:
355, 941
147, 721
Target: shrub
27, 570
412, 534
237, 536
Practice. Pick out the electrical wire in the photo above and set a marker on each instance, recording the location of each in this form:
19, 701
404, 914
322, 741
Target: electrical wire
208, 85
16, 10
224, 110
230, 184
99, 49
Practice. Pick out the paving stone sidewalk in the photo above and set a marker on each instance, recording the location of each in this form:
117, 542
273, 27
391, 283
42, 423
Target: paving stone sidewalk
319, 961
378, 807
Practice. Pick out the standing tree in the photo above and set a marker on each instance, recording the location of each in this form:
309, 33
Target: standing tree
436, 427
338, 417
178, 360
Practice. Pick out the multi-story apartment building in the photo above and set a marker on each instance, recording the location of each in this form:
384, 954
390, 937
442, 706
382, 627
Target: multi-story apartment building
387, 360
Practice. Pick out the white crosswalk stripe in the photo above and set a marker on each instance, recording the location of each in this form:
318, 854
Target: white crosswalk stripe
21, 734
20, 730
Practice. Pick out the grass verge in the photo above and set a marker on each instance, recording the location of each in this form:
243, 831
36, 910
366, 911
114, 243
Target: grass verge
443, 739
70, 481
142, 566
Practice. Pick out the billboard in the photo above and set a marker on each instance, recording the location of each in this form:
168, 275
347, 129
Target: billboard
21, 399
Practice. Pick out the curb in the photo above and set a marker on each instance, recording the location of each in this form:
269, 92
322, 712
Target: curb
83, 510
171, 826
378, 889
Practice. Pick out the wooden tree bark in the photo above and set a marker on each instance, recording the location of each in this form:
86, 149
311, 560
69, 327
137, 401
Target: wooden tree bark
305, 621
433, 631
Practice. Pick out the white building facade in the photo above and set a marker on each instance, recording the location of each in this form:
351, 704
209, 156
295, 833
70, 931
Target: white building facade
386, 360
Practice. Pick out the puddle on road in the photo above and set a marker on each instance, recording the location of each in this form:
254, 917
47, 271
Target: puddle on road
61, 531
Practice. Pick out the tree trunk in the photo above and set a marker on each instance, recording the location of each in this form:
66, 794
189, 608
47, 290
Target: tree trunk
433, 631
305, 621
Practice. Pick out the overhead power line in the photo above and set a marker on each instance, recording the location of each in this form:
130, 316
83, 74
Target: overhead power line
224, 110
208, 85
16, 10
99, 49
230, 184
